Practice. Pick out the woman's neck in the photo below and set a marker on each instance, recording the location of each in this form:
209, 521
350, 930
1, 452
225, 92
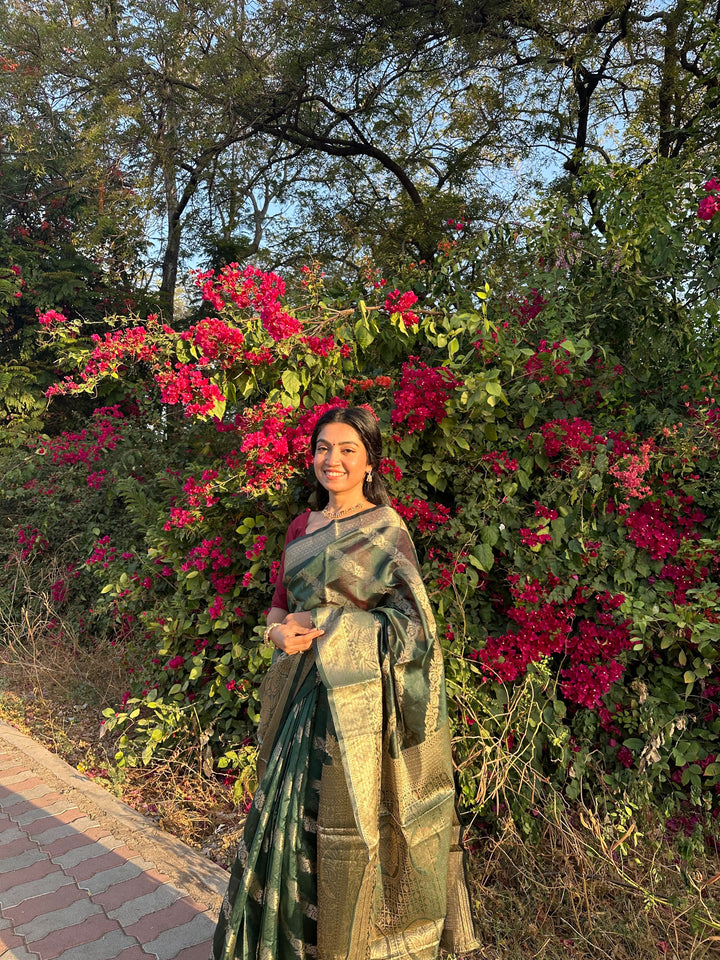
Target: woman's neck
345, 502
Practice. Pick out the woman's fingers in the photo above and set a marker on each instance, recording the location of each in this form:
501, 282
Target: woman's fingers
292, 638
301, 618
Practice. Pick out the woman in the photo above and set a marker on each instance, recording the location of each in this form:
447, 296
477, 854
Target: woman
351, 846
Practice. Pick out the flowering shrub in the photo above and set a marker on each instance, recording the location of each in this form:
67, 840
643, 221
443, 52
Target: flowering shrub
710, 205
566, 518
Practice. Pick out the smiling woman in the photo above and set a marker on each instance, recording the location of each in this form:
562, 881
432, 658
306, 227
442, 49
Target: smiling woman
351, 846
342, 467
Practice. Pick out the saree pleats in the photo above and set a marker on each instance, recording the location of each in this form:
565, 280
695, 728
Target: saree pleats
270, 911
351, 848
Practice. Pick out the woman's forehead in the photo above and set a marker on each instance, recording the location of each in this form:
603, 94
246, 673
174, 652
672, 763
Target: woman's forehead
339, 433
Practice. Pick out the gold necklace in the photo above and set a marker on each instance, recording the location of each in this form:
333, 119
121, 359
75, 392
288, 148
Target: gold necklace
336, 514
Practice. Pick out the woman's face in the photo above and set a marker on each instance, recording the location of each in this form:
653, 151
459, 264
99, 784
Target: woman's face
341, 460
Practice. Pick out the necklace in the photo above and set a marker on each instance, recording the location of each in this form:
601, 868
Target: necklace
336, 514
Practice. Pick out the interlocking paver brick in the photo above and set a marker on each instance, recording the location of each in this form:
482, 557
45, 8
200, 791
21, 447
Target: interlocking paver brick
168, 944
39, 927
107, 860
17, 807
83, 852
137, 953
9, 940
19, 845
34, 888
142, 906
25, 859
8, 829
22, 779
152, 925
39, 813
35, 872
128, 890
11, 772
101, 881
19, 953
77, 838
63, 939
199, 951
49, 821
78, 825
106, 948
71, 888
32, 907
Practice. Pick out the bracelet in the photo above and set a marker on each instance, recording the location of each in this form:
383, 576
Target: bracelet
266, 634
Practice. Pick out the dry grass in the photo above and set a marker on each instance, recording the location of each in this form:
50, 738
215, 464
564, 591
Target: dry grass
41, 649
54, 687
580, 892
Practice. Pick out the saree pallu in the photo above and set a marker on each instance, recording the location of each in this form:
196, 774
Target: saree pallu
351, 846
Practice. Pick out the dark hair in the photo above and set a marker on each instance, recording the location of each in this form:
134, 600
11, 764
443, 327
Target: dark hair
365, 425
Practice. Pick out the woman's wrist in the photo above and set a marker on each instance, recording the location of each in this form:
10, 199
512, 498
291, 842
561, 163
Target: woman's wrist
266, 634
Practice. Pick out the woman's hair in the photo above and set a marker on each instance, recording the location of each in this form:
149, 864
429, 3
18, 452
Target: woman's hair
365, 425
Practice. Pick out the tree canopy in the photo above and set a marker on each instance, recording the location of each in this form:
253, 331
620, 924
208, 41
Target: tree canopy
283, 131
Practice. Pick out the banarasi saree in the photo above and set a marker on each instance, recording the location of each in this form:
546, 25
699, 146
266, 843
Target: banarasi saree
351, 846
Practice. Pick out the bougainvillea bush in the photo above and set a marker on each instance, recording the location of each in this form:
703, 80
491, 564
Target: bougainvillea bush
563, 499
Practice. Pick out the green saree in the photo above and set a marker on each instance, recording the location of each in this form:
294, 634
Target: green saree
351, 846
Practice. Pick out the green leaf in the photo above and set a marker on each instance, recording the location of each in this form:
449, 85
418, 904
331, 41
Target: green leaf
291, 382
484, 555
363, 334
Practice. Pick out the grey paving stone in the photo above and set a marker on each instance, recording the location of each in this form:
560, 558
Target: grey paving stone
171, 942
26, 859
10, 835
35, 888
106, 948
126, 871
64, 830
60, 806
17, 778
36, 792
40, 927
133, 910
4, 924
95, 848
18, 953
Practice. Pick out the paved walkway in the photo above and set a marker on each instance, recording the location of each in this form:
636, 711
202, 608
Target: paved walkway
85, 877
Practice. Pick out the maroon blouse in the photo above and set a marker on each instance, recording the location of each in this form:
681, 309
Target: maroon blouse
296, 529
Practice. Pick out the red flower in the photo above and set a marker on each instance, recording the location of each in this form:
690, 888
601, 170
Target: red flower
50, 317
398, 304
422, 395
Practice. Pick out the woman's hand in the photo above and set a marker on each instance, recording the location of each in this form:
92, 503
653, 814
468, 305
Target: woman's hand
303, 618
296, 633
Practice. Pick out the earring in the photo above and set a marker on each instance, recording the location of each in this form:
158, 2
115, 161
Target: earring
368, 476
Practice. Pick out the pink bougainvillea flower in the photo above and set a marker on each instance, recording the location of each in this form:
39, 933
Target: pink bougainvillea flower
399, 304
50, 317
